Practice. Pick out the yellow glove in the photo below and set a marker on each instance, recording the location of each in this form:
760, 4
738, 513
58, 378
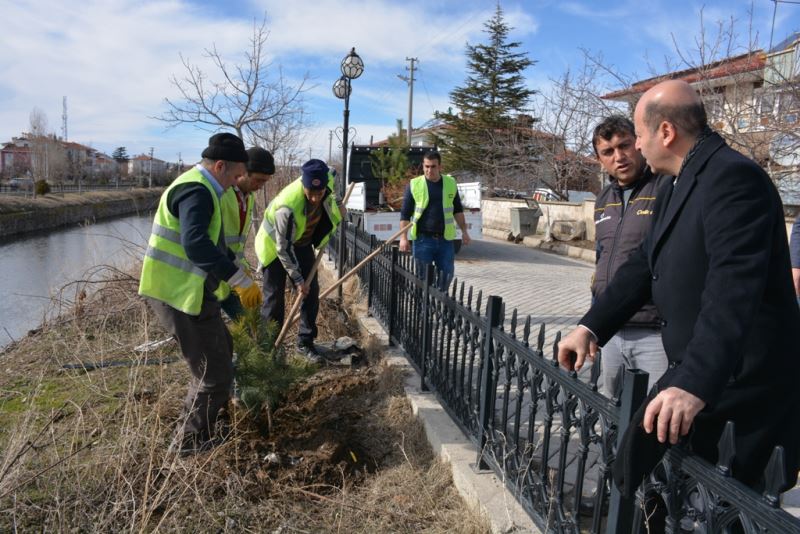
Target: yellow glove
250, 295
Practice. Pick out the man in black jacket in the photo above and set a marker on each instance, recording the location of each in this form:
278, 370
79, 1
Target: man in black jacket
623, 215
716, 264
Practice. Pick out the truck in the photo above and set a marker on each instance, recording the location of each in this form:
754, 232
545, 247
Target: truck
370, 211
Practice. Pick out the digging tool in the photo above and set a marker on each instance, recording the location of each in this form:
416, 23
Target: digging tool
355, 269
299, 299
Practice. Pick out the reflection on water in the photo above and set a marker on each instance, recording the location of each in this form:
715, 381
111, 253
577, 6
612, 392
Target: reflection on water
35, 268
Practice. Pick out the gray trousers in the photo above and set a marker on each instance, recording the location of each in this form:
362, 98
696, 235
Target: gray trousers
633, 348
207, 347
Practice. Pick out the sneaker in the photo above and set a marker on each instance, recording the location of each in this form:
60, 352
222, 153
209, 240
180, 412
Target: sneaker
311, 354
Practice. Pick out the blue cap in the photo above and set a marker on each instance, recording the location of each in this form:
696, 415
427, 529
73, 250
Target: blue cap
315, 174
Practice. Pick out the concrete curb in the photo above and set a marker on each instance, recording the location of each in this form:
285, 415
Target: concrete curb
483, 491
556, 247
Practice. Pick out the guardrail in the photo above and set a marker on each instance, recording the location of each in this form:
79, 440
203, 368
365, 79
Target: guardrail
549, 436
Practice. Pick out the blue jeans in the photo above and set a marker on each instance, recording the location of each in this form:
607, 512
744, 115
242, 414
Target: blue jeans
438, 251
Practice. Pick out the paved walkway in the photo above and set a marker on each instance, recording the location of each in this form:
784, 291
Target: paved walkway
550, 288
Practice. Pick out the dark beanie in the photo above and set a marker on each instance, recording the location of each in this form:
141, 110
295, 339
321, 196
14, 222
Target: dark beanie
315, 174
225, 146
260, 160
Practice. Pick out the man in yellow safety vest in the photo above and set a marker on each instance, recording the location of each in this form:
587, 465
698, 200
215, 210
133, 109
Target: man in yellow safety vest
186, 272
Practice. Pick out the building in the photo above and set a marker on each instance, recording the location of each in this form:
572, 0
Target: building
15, 157
753, 100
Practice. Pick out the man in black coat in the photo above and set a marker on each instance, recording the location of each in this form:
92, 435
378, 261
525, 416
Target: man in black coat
716, 264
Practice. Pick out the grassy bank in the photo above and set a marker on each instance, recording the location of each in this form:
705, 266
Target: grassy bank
85, 449
17, 204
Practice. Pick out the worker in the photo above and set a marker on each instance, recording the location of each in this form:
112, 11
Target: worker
186, 272
302, 217
237, 213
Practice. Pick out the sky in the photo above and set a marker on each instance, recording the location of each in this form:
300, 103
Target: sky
113, 59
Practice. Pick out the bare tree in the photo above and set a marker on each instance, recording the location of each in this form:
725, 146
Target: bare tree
48, 157
261, 105
569, 112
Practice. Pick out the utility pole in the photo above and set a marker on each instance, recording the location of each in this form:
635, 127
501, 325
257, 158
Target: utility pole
150, 180
330, 145
64, 119
410, 81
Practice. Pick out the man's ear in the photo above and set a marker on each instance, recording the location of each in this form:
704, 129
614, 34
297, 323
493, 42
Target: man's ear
667, 132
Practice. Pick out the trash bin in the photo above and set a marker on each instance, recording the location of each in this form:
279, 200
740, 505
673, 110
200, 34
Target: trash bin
524, 221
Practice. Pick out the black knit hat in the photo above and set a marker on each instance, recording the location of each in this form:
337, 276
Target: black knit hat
260, 160
225, 146
315, 174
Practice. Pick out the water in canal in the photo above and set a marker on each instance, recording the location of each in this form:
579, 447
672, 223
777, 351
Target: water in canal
35, 267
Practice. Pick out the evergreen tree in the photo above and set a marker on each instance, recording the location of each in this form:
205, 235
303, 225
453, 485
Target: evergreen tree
484, 125
120, 154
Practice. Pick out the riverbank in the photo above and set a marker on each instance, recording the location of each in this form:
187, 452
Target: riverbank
20, 215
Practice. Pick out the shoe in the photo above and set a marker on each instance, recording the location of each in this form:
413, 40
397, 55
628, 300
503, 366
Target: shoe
311, 354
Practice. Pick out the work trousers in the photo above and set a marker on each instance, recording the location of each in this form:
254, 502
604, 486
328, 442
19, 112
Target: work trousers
633, 348
207, 347
274, 306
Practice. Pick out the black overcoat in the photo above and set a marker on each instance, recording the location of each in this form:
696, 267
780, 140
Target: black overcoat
716, 265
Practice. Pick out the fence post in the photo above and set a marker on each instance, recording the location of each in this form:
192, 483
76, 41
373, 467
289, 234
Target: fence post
426, 324
392, 294
373, 244
634, 391
493, 319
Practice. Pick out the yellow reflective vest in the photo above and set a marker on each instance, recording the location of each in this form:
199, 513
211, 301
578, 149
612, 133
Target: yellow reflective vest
419, 190
167, 273
235, 241
293, 197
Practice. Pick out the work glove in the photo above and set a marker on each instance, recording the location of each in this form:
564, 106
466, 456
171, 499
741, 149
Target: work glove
247, 290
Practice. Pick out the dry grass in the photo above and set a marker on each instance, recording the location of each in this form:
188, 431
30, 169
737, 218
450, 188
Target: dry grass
85, 450
16, 204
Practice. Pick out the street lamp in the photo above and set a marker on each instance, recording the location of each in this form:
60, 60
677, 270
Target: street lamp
352, 67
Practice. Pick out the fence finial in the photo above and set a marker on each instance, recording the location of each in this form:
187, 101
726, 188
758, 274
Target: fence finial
775, 476
727, 449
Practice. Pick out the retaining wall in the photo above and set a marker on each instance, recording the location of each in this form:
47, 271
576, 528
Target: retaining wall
53, 212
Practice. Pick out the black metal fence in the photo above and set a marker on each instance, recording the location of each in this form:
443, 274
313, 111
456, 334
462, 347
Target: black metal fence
548, 435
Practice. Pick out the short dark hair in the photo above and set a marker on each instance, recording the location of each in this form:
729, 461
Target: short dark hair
611, 126
432, 154
689, 118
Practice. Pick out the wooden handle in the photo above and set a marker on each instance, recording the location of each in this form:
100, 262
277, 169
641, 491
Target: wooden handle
355, 269
299, 299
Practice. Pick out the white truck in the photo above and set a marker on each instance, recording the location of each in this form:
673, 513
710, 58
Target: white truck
365, 206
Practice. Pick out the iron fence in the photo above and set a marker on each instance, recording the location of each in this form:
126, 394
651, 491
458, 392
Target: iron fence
550, 436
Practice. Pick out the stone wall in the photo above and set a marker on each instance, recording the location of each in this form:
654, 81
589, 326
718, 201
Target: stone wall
54, 212
496, 214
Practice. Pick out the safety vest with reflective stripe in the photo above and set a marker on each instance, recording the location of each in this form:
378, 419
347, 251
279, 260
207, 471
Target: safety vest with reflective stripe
293, 197
419, 190
167, 273
229, 205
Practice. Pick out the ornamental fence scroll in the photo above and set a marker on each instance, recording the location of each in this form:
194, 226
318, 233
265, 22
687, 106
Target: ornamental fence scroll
550, 436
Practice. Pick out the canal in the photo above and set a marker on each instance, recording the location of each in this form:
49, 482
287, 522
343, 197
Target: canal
35, 267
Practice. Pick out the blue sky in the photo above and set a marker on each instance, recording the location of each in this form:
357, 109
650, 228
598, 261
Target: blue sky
113, 58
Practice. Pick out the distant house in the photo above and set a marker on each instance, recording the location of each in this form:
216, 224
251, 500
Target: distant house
142, 165
753, 100
15, 157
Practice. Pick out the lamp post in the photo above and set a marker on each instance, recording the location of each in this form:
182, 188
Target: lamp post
352, 67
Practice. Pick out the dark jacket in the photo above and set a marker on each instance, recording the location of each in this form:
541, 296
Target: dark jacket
619, 232
716, 264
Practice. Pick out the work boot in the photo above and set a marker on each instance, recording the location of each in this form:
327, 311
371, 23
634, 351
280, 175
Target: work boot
310, 353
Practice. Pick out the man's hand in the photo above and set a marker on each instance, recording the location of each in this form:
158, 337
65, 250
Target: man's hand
796, 277
575, 348
465, 238
250, 296
676, 410
302, 289
405, 244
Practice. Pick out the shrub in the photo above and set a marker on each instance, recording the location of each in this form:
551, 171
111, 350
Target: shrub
42, 187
